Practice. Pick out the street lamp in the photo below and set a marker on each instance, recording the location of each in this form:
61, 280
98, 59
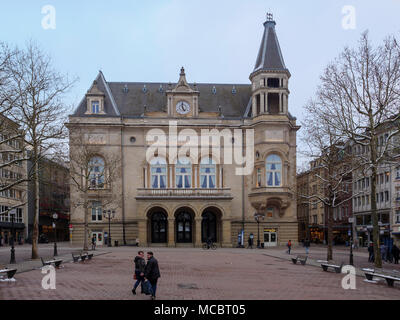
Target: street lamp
258, 217
12, 214
55, 217
109, 214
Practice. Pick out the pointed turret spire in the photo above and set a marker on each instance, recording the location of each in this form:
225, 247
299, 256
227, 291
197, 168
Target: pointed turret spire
270, 55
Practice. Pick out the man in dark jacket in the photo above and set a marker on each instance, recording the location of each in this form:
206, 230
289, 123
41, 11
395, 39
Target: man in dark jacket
371, 257
396, 254
140, 266
152, 273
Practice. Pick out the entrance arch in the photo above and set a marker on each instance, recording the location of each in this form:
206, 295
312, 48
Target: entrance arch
211, 224
184, 225
158, 223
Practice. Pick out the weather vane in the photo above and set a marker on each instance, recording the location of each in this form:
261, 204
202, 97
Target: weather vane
270, 16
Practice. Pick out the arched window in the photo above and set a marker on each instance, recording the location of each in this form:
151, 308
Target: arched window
96, 173
183, 173
208, 170
274, 171
158, 168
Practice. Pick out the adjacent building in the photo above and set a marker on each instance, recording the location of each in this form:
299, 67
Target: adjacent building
187, 198
54, 193
13, 194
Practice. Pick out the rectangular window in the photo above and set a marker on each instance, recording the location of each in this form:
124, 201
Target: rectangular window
96, 211
258, 178
386, 196
95, 107
382, 197
398, 217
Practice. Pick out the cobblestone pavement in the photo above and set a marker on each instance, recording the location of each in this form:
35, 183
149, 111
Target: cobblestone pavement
232, 274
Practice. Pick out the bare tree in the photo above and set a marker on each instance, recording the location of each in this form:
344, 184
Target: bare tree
360, 95
333, 166
94, 173
39, 110
13, 177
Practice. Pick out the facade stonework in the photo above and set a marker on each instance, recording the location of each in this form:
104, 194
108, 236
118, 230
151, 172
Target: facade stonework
186, 199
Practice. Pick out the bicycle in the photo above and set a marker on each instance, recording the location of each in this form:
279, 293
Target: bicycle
207, 246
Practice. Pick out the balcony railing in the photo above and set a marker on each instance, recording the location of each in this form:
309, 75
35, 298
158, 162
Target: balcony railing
184, 193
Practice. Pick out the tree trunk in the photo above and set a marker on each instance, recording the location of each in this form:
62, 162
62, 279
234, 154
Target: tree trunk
375, 218
35, 234
85, 228
330, 234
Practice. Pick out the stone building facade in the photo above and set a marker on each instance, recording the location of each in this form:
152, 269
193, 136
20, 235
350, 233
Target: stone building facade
13, 188
186, 198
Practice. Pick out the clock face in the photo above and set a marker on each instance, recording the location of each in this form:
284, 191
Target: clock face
182, 107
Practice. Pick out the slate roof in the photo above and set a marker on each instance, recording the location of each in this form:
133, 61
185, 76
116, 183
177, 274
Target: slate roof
270, 55
128, 99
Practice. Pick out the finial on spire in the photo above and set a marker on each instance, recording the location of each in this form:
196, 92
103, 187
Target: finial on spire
182, 71
270, 16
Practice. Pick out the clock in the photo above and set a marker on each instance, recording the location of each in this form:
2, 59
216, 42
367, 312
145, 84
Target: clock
182, 107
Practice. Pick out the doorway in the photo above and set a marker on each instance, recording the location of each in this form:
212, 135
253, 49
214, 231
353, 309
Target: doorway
99, 238
270, 238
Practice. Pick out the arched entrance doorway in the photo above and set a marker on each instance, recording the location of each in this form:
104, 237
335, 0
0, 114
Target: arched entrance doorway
210, 224
184, 226
158, 225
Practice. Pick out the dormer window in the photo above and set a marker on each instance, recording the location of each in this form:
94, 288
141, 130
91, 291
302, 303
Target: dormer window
96, 107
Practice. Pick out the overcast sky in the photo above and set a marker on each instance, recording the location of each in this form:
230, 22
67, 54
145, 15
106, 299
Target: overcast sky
216, 41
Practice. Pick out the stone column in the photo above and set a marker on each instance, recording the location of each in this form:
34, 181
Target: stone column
280, 103
195, 176
262, 100
197, 239
142, 226
145, 178
226, 233
171, 232
254, 106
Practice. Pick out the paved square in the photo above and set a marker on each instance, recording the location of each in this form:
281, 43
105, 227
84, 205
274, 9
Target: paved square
233, 274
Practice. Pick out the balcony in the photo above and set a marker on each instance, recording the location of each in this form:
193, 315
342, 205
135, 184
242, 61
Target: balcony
192, 193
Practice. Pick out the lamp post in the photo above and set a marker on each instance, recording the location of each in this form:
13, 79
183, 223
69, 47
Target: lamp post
109, 214
258, 217
55, 217
12, 214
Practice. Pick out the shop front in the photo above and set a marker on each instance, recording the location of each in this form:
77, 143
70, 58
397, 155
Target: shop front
6, 229
316, 234
270, 237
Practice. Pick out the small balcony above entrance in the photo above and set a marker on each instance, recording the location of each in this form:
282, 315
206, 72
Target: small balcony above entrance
180, 193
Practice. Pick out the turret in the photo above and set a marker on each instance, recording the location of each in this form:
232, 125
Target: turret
270, 77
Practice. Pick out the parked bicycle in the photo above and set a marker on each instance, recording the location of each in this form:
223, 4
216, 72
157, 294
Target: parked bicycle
209, 245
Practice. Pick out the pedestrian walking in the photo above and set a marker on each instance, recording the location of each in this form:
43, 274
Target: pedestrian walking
289, 245
307, 245
251, 241
396, 254
140, 266
94, 242
371, 252
152, 273
383, 252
